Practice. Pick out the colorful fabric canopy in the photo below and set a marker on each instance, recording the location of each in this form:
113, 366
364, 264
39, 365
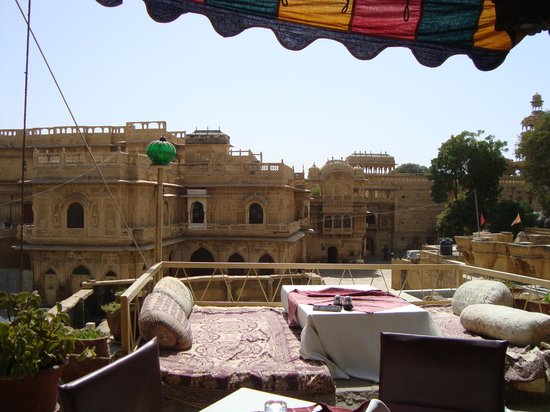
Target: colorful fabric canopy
432, 29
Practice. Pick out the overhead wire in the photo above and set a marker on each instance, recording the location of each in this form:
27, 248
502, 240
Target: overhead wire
96, 164
88, 148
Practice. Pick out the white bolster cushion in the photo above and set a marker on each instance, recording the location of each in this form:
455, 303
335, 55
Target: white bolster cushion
164, 318
481, 291
518, 327
178, 291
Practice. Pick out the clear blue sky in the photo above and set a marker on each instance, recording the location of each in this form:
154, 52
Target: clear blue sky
117, 65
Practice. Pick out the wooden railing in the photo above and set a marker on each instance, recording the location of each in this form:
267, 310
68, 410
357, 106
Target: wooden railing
207, 288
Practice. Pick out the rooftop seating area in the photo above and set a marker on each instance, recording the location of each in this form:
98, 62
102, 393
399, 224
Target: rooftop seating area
241, 337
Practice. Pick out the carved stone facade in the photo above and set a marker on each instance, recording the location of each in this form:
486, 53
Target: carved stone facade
93, 214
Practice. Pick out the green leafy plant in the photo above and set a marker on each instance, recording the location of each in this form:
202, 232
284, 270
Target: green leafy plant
33, 338
111, 307
88, 333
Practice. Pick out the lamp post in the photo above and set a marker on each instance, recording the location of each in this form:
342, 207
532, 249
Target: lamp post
161, 152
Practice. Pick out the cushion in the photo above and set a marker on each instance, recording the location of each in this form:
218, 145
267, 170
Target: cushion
163, 317
519, 327
481, 291
176, 289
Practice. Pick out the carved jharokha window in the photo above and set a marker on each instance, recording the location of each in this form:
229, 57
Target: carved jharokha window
255, 214
75, 216
347, 222
197, 213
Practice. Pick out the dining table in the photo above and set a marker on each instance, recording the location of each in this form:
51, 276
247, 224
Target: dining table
252, 400
348, 341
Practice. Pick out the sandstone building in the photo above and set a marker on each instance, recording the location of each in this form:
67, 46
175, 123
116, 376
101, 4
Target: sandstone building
91, 214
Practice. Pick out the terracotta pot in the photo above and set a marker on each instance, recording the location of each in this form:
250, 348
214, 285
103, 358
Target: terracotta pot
536, 306
101, 346
521, 303
113, 320
36, 393
76, 369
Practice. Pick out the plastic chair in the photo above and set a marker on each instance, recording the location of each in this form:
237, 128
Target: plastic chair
131, 384
436, 374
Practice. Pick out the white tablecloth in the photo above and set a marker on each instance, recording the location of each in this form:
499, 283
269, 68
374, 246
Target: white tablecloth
349, 341
247, 400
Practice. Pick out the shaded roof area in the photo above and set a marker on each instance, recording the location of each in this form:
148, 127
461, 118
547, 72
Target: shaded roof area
484, 30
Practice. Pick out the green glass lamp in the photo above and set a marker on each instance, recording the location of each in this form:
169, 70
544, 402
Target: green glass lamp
161, 152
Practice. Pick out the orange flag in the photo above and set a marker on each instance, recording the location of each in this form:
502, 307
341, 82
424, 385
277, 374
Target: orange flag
516, 220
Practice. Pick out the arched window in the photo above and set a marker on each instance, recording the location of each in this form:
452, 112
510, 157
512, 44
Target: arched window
197, 215
202, 255
75, 216
110, 275
347, 222
81, 271
265, 258
235, 257
255, 214
337, 222
328, 222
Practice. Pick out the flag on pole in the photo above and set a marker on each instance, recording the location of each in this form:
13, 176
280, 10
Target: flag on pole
482, 220
516, 220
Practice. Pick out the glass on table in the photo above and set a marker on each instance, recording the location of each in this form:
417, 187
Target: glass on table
275, 406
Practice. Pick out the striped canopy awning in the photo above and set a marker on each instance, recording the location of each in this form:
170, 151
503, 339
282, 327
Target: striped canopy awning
432, 29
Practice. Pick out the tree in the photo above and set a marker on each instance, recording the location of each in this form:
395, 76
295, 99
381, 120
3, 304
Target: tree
501, 216
534, 147
458, 217
467, 168
411, 168
465, 164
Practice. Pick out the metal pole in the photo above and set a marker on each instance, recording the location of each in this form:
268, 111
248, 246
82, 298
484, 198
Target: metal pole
160, 207
477, 214
23, 165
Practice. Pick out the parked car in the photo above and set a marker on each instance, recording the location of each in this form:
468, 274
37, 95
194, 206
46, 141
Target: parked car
413, 255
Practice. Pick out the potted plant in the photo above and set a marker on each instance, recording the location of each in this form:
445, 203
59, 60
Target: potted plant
533, 302
34, 344
540, 304
91, 339
112, 314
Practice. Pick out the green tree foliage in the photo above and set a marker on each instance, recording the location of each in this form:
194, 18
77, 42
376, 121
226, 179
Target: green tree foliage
467, 166
315, 190
458, 217
534, 147
465, 163
501, 216
411, 168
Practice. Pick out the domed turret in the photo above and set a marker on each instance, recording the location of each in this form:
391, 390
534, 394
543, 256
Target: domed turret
536, 102
313, 171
